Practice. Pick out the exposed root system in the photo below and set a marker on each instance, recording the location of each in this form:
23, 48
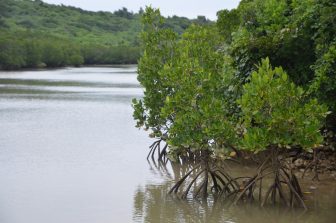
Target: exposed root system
205, 178
284, 186
198, 175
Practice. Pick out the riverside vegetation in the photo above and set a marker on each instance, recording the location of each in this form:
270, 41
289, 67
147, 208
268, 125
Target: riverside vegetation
37, 34
258, 84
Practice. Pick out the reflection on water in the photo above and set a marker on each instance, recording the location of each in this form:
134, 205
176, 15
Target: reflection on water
69, 153
153, 204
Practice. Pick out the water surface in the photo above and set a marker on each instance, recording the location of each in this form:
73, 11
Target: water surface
69, 153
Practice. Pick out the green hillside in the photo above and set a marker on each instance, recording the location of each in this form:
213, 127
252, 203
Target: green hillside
33, 27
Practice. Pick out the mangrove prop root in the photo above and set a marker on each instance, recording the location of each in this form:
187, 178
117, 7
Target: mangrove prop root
284, 187
180, 182
156, 148
313, 164
205, 179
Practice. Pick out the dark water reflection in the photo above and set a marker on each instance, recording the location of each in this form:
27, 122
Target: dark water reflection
69, 153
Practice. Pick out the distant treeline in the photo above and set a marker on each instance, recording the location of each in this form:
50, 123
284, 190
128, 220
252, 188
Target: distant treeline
37, 34
30, 50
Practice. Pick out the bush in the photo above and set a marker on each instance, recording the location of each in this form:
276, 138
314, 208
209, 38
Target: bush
276, 113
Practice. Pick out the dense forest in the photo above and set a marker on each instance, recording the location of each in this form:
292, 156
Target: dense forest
37, 34
258, 85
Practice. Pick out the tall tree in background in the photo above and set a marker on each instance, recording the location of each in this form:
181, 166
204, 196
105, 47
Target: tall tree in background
3, 11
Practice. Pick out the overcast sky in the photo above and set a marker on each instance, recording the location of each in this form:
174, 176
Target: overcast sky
187, 8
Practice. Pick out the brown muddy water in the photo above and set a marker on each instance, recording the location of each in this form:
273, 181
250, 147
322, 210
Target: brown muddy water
69, 153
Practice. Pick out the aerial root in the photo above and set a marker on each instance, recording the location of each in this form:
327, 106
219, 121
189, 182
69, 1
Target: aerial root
206, 177
285, 187
313, 164
180, 182
205, 180
156, 148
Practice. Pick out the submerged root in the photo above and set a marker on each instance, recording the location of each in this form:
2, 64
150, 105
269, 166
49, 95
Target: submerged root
284, 187
203, 179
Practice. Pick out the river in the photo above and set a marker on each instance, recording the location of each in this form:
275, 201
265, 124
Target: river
69, 153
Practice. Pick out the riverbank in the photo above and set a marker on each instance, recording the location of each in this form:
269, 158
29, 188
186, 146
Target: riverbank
300, 161
65, 67
326, 163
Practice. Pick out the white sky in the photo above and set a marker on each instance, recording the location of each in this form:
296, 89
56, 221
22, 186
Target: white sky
187, 8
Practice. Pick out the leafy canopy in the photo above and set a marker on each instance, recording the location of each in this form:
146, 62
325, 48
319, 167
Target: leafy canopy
159, 49
190, 94
275, 112
201, 103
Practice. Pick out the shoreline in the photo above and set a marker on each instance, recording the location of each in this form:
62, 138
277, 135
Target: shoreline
65, 67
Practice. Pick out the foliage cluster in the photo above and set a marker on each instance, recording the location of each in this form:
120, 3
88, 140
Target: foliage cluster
276, 112
298, 35
194, 97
